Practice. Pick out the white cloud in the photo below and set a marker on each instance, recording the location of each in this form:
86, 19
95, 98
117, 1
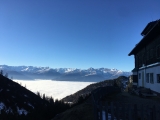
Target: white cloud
56, 89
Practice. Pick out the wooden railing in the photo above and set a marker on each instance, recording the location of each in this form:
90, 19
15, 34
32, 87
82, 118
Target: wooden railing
121, 111
97, 95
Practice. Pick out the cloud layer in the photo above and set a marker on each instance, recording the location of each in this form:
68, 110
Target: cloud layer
56, 89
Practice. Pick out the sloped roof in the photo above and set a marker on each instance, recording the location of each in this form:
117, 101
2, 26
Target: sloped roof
148, 27
151, 31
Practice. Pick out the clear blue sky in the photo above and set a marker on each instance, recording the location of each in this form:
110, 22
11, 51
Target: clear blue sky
73, 33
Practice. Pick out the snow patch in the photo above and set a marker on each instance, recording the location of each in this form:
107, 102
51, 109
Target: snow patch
25, 69
2, 106
25, 96
21, 111
31, 105
9, 110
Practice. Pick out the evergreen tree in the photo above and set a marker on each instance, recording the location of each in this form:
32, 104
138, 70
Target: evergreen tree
1, 72
51, 101
38, 94
6, 75
44, 97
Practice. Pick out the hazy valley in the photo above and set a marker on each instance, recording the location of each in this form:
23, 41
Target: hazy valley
56, 89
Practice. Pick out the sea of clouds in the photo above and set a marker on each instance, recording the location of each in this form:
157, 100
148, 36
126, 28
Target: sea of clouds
56, 89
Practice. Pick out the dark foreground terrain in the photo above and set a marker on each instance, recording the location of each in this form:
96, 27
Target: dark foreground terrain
18, 103
83, 111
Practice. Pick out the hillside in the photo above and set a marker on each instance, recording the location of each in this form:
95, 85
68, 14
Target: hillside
82, 111
85, 110
17, 102
87, 90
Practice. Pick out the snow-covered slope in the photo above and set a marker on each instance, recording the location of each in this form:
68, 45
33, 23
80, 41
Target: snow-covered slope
15, 98
74, 74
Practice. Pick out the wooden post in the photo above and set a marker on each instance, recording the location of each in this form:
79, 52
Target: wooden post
95, 112
154, 113
123, 112
141, 110
130, 112
117, 111
151, 113
112, 111
100, 111
135, 112
148, 113
95, 108
106, 110
158, 112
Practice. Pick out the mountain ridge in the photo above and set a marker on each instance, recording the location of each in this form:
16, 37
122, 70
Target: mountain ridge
69, 74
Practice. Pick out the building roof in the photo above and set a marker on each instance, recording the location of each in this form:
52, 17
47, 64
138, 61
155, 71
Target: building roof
148, 27
151, 31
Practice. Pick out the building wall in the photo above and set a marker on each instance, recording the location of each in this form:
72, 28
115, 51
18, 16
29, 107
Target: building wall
145, 59
153, 86
148, 54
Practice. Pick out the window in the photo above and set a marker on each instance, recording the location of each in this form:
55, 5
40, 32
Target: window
158, 78
139, 75
158, 51
151, 78
147, 77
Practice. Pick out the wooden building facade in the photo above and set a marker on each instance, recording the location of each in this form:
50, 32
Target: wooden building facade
147, 58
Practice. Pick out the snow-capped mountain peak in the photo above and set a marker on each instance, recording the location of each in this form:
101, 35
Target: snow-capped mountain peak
62, 73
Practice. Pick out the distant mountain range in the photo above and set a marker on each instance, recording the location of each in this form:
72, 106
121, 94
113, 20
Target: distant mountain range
63, 74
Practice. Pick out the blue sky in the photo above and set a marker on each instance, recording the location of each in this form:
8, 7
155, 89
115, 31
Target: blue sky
73, 33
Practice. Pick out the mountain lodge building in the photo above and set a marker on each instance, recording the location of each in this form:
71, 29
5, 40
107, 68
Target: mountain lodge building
147, 58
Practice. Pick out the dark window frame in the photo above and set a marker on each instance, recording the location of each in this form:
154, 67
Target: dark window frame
158, 78
147, 77
151, 77
158, 51
139, 75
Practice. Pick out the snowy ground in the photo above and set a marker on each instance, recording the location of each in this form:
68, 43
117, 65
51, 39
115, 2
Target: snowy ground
56, 89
